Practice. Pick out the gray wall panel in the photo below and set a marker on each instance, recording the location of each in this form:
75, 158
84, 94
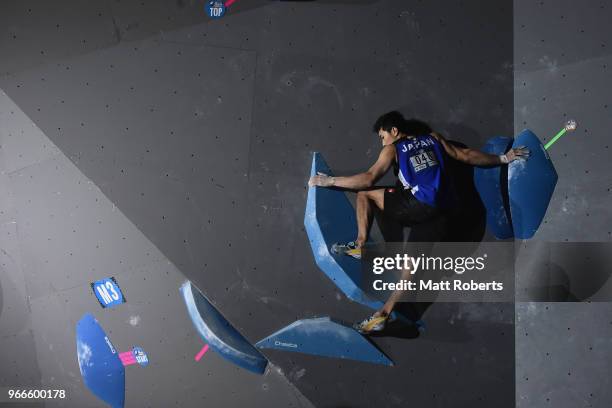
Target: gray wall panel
14, 308
19, 366
23, 142
37, 31
563, 71
19, 362
71, 235
55, 207
163, 129
545, 99
550, 34
563, 353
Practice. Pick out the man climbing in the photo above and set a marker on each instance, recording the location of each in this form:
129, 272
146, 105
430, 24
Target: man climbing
422, 193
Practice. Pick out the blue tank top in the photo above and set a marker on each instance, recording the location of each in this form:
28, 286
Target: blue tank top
421, 169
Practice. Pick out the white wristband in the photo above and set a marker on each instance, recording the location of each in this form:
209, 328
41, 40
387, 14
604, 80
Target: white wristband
503, 158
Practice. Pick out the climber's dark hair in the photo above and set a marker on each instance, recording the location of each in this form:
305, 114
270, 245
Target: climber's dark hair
395, 119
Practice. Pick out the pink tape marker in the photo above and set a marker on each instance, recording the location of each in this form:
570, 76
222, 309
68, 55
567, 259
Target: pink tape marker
127, 358
201, 352
229, 3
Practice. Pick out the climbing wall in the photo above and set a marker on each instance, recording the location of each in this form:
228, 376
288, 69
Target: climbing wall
201, 136
563, 70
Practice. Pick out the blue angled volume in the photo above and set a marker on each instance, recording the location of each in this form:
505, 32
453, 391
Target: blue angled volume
531, 184
330, 218
99, 362
324, 337
220, 335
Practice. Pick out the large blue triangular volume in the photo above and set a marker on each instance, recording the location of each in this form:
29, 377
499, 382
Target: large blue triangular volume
330, 218
531, 184
324, 337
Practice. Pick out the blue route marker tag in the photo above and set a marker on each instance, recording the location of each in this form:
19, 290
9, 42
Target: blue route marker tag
140, 356
108, 292
215, 9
